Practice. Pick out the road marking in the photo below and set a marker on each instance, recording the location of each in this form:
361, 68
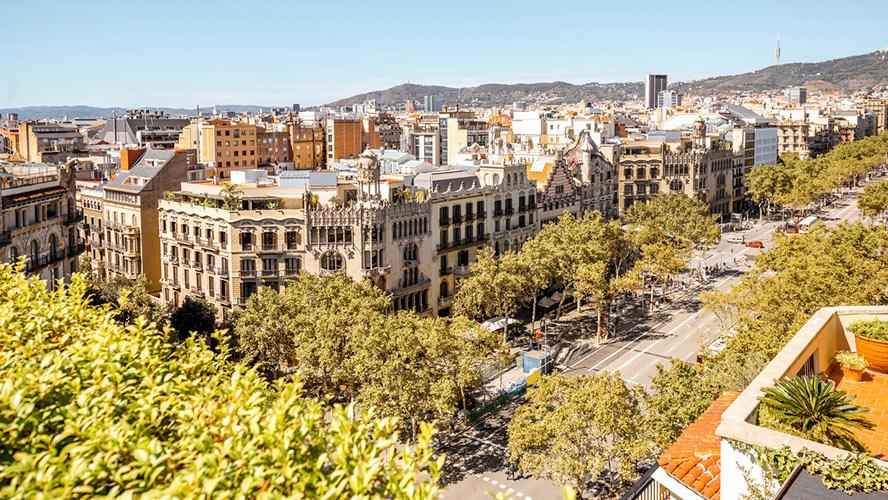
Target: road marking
502, 486
493, 482
511, 490
657, 342
486, 478
629, 344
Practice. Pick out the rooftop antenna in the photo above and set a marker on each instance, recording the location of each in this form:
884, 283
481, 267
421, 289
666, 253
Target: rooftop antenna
777, 51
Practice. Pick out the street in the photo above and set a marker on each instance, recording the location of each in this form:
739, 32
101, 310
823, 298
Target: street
476, 458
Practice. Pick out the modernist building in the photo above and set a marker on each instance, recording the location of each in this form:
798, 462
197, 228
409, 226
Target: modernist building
131, 244
414, 248
39, 220
649, 168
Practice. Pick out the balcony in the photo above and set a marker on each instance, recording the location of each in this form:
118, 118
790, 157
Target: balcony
222, 298
182, 237
269, 273
35, 263
445, 301
457, 219
270, 248
498, 213
509, 211
444, 221
444, 271
461, 270
246, 273
292, 271
375, 271
470, 217
76, 249
404, 290
73, 217
247, 247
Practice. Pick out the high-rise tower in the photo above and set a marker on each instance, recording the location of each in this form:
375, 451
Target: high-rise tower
777, 51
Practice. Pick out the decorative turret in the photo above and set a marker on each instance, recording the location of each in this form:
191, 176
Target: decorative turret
368, 173
587, 146
698, 133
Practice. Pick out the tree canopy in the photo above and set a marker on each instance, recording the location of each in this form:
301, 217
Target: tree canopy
93, 408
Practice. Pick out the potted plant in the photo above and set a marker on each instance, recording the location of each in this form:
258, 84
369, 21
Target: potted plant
852, 365
872, 342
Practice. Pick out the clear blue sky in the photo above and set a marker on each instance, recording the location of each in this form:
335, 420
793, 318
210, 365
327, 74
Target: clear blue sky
181, 53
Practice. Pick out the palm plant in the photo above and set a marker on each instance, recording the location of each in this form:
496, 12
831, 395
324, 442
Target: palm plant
814, 408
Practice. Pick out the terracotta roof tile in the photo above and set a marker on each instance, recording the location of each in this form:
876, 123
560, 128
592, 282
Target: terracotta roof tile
695, 457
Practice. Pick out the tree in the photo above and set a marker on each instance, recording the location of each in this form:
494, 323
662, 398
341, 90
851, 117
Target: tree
676, 217
195, 316
496, 286
263, 336
814, 408
231, 198
768, 185
133, 300
92, 408
538, 268
573, 429
874, 200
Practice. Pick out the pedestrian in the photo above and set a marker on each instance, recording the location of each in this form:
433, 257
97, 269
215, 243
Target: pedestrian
510, 474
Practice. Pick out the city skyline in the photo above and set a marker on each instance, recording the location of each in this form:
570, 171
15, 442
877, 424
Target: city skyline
179, 55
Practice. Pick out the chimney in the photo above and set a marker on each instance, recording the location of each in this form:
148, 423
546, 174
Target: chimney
129, 157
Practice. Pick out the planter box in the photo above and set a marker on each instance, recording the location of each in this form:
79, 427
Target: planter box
875, 352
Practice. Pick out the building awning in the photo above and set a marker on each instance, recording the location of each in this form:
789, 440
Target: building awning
33, 195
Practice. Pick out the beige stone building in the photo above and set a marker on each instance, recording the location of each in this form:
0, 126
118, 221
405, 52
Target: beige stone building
648, 168
415, 249
130, 225
39, 220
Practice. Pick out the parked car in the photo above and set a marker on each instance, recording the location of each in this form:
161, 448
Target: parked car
736, 239
755, 244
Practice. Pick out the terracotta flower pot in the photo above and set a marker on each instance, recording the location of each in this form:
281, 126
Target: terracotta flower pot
853, 374
875, 352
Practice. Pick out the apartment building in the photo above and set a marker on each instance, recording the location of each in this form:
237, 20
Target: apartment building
879, 109
48, 143
130, 221
422, 139
144, 128
91, 199
227, 146
273, 145
384, 130
344, 139
459, 130
805, 138
39, 220
307, 144
648, 168
413, 248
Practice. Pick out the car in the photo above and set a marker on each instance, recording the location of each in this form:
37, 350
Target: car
755, 244
736, 239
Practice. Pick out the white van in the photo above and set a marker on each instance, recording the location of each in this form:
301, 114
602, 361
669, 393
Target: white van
737, 239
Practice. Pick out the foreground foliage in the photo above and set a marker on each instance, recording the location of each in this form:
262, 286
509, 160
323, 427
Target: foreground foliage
816, 410
90, 407
574, 429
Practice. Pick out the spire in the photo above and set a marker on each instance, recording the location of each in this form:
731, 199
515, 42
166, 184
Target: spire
777, 51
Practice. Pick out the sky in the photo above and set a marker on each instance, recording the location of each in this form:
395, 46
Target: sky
188, 52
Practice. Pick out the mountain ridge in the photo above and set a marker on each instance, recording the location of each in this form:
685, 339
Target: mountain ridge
848, 74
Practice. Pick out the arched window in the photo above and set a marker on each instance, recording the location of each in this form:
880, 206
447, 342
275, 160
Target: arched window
35, 252
506, 246
445, 289
676, 185
53, 246
332, 261
496, 179
13, 254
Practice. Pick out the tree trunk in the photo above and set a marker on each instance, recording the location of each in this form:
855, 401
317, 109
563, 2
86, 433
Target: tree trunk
506, 331
533, 317
462, 393
561, 303
598, 333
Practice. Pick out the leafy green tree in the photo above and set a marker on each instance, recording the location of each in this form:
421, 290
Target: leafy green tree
874, 200
816, 409
231, 197
195, 316
263, 335
133, 300
497, 286
768, 185
676, 217
574, 429
538, 268
92, 408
